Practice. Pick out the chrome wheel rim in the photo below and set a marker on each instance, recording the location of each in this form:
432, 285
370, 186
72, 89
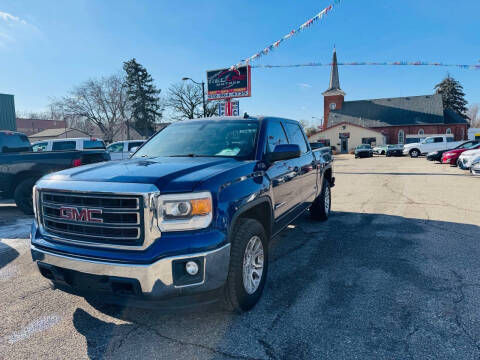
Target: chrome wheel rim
253, 265
327, 199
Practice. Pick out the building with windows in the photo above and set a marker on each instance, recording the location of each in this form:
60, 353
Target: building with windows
392, 119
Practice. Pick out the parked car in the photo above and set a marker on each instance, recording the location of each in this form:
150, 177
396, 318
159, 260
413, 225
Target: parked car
20, 168
68, 144
380, 149
199, 204
121, 150
429, 144
394, 150
364, 150
437, 155
451, 156
475, 168
466, 159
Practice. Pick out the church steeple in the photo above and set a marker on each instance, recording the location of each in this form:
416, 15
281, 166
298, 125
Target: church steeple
334, 88
334, 96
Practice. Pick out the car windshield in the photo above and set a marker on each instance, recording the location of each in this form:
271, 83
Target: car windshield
364, 147
235, 139
470, 146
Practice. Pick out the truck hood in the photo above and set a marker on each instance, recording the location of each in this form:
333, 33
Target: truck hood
167, 173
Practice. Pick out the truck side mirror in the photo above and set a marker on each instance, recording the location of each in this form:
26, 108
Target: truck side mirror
284, 152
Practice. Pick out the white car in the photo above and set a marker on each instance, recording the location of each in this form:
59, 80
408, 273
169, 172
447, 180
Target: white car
429, 144
466, 159
121, 150
475, 168
68, 144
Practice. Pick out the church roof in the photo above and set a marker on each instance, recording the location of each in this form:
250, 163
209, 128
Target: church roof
412, 110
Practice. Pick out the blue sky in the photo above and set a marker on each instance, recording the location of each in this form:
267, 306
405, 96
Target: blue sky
50, 46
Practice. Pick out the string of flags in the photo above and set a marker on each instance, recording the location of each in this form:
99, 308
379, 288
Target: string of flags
395, 63
292, 33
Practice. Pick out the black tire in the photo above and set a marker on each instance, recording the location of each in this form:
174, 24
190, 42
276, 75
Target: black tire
319, 209
414, 153
383, 153
23, 195
236, 296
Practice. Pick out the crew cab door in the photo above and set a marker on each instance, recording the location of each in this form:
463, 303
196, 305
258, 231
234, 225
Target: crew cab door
434, 143
280, 172
305, 166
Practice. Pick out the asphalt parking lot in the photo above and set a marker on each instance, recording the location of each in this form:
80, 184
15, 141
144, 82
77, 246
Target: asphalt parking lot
394, 274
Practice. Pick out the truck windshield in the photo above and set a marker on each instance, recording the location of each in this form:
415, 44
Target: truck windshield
204, 138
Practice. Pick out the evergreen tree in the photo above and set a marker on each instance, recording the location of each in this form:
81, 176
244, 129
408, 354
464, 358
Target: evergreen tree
452, 95
143, 97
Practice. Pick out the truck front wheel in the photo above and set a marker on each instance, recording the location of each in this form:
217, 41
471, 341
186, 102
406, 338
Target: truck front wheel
414, 153
248, 265
320, 209
23, 195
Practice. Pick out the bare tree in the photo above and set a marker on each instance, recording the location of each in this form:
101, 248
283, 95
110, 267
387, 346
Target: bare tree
185, 101
97, 102
473, 114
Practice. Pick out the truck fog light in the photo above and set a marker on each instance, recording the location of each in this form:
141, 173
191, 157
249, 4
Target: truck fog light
191, 267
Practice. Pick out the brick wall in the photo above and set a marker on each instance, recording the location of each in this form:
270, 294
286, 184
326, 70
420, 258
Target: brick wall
459, 131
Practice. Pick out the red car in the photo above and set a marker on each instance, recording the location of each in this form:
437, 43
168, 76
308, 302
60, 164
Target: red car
451, 156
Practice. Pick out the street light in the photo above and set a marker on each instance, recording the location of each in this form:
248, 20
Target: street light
203, 93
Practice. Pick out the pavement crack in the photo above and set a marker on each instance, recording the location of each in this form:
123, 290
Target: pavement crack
200, 346
459, 287
269, 349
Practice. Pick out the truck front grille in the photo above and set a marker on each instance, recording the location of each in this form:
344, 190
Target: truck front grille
93, 218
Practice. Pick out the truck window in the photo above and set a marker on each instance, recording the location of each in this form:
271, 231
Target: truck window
134, 144
12, 142
275, 136
438, 139
295, 136
40, 147
93, 144
450, 139
118, 147
63, 145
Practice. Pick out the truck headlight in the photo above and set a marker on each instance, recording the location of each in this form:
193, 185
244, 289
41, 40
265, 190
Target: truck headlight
476, 161
180, 212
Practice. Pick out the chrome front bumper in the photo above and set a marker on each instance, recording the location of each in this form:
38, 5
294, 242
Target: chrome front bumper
155, 279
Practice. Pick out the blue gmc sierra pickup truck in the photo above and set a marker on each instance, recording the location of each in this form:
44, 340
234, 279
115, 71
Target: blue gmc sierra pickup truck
187, 218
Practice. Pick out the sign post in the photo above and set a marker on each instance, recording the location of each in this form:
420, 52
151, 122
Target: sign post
225, 84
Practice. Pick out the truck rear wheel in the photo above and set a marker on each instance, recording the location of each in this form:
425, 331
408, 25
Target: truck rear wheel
23, 195
248, 265
320, 209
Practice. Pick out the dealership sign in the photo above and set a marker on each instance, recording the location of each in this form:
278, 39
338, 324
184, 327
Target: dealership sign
229, 83
344, 135
222, 108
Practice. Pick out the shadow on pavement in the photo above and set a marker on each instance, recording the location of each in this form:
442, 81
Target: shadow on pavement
7, 254
360, 285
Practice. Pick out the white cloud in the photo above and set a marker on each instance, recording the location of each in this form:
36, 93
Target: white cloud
9, 17
304, 85
12, 28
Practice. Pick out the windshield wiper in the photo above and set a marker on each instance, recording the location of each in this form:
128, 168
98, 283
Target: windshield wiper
185, 155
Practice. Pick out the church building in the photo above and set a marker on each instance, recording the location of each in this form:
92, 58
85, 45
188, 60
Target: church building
383, 121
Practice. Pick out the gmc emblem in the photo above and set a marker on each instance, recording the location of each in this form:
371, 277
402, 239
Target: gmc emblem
84, 215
